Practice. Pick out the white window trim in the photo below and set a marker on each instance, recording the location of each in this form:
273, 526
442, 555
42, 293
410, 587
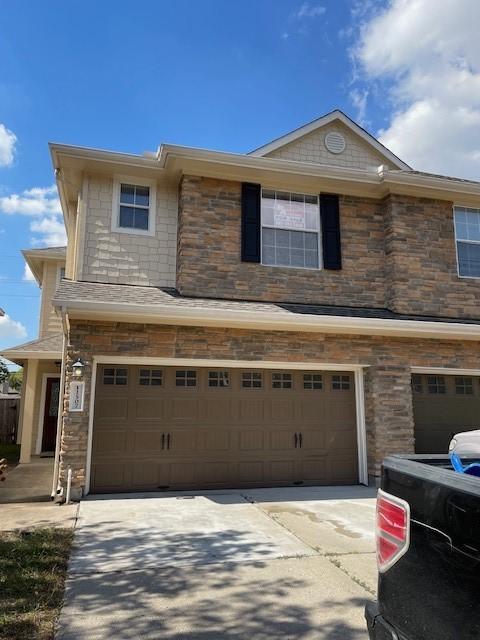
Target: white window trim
466, 241
268, 226
152, 208
60, 266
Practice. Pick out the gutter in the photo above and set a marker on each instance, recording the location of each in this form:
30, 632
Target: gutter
280, 321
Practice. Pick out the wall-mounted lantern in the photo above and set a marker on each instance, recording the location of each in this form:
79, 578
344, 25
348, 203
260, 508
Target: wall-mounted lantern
77, 368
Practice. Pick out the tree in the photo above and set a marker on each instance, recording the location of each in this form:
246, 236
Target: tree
15, 379
3, 370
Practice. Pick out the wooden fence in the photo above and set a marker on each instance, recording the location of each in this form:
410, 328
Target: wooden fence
9, 410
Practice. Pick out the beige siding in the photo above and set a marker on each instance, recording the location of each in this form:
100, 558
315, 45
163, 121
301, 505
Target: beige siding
311, 148
45, 366
125, 258
50, 323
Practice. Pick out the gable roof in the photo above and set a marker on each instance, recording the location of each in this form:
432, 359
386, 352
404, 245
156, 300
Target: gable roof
321, 122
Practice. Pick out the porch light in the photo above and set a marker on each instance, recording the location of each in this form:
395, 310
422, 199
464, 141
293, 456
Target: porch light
78, 369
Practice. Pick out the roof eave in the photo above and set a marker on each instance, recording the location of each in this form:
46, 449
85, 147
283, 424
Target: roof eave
193, 316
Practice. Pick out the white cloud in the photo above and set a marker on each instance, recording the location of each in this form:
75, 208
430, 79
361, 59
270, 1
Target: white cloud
43, 205
7, 146
27, 274
308, 10
429, 54
51, 230
359, 99
38, 201
11, 329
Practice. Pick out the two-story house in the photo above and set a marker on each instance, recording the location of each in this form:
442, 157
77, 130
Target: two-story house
282, 317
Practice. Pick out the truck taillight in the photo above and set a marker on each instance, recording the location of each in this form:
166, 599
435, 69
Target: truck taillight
393, 529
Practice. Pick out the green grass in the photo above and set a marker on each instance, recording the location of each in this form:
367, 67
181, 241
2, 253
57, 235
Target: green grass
11, 452
33, 565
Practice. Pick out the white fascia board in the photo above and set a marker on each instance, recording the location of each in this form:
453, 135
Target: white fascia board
165, 314
272, 164
11, 354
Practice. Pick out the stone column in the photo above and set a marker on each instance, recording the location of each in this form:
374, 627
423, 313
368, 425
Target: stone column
74, 438
29, 387
389, 413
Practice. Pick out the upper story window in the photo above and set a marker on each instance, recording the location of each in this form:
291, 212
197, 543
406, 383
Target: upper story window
290, 230
467, 236
133, 206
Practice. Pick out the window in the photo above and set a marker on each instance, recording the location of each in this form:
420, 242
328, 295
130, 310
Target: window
290, 230
312, 381
417, 384
251, 380
133, 206
186, 378
340, 383
281, 380
150, 377
467, 236
436, 385
218, 379
464, 386
115, 376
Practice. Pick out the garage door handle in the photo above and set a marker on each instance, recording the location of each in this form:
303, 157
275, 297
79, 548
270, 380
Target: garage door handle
163, 441
295, 439
300, 438
168, 441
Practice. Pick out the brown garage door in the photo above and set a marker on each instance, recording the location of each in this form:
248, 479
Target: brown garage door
443, 406
165, 427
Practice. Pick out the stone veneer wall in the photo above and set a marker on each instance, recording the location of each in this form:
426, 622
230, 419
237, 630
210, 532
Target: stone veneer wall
421, 263
209, 264
388, 399
398, 253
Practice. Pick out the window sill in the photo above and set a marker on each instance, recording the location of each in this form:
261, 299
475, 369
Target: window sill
135, 232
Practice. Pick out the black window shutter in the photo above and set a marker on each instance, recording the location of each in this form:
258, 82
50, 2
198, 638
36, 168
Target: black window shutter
251, 201
330, 217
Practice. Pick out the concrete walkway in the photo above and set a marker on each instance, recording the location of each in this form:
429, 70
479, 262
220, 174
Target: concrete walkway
233, 565
25, 499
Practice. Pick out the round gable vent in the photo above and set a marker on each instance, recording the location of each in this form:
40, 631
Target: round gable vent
335, 142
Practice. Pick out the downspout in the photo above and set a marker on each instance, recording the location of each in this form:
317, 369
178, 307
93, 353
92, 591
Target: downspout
56, 465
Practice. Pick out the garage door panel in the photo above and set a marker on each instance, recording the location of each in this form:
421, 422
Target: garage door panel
252, 440
251, 471
283, 410
214, 439
219, 409
282, 471
151, 435
252, 408
110, 442
150, 408
147, 442
282, 440
109, 477
112, 409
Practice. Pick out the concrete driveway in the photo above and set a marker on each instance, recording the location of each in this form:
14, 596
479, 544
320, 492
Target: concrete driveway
255, 564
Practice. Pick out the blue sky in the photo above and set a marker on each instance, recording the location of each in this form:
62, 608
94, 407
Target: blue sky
223, 74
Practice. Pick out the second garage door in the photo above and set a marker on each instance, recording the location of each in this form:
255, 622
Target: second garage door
443, 406
163, 427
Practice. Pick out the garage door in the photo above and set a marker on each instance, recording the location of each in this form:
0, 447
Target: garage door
164, 427
443, 406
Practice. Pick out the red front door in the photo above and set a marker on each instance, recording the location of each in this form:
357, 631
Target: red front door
50, 415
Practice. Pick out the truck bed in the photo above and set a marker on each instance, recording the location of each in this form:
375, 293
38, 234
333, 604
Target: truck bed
433, 591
